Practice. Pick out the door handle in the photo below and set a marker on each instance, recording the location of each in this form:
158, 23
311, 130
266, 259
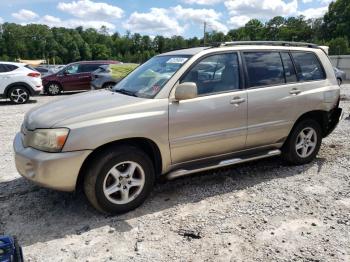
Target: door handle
295, 91
237, 100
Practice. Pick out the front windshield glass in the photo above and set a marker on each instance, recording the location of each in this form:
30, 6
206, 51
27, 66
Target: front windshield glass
149, 78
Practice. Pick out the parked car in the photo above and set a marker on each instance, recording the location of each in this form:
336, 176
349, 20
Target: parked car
106, 76
19, 81
341, 75
168, 118
44, 71
73, 77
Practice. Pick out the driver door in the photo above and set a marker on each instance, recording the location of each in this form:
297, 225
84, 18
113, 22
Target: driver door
215, 122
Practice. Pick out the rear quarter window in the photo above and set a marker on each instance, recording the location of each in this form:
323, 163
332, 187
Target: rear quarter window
307, 66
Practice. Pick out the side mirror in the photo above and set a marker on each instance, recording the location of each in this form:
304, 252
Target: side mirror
187, 90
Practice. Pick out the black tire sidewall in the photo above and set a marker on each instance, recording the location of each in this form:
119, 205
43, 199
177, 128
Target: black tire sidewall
291, 153
22, 88
113, 159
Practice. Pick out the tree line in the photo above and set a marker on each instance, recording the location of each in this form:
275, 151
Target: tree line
63, 45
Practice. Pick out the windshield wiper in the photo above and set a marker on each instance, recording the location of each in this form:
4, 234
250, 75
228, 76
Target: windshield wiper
125, 92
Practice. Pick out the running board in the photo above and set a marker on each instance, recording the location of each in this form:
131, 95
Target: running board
184, 172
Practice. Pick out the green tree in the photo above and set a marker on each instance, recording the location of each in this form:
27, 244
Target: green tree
338, 46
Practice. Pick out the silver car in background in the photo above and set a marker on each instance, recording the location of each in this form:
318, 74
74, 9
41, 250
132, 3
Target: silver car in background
340, 75
180, 113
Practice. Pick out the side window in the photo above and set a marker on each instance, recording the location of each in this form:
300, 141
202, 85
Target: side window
86, 68
214, 74
289, 70
3, 69
73, 69
308, 67
264, 68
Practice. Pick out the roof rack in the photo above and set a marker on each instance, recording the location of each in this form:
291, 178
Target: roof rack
272, 43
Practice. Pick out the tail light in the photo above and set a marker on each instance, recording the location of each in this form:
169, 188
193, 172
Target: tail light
34, 74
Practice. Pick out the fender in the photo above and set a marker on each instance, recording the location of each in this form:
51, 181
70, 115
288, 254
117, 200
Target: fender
30, 89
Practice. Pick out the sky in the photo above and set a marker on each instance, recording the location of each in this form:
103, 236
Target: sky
155, 17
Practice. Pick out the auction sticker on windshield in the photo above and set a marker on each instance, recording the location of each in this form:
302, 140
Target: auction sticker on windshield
177, 60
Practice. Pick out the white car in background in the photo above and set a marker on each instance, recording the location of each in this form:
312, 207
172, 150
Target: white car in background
19, 81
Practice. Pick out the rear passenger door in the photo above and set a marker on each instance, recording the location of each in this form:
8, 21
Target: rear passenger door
273, 101
7, 76
85, 75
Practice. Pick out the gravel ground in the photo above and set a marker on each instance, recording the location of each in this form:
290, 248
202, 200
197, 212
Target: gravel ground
260, 211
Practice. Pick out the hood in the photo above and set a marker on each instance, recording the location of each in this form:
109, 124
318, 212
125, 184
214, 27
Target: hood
81, 107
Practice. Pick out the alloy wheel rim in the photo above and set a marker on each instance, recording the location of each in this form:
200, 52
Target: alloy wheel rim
306, 142
19, 95
124, 182
54, 89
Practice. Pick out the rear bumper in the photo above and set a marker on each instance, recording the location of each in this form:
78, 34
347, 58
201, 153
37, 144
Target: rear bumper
334, 116
52, 170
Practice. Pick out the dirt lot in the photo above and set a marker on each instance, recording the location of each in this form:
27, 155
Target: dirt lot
260, 211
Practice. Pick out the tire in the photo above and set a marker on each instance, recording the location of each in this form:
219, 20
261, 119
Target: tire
301, 148
53, 89
106, 182
18, 95
339, 81
108, 86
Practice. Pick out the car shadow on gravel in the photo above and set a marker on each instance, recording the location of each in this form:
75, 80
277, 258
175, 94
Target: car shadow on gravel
9, 103
36, 214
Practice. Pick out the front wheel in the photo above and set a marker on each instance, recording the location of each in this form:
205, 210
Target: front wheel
19, 95
303, 143
119, 180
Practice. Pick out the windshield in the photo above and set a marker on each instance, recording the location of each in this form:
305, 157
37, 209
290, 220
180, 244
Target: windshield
149, 78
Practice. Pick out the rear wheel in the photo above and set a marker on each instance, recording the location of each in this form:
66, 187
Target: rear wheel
53, 89
19, 95
119, 180
303, 143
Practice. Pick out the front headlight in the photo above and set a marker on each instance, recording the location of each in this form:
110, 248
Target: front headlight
50, 140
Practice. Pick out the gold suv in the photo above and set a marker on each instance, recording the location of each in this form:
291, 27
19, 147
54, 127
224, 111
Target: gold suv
179, 113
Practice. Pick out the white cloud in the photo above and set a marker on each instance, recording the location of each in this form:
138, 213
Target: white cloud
307, 1
1, 20
200, 16
173, 21
202, 2
314, 12
25, 15
259, 9
157, 20
53, 21
326, 2
238, 21
91, 10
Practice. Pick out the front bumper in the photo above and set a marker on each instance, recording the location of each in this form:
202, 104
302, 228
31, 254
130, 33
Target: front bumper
52, 170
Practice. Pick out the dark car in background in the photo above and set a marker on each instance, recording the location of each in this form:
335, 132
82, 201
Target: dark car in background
73, 77
44, 71
106, 76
